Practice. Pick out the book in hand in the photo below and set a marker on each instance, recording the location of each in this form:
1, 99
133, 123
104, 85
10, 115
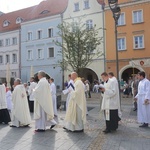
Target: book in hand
101, 86
66, 91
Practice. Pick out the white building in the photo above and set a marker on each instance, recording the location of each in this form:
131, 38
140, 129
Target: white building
92, 14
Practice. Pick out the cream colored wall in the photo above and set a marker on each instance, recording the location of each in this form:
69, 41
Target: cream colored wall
94, 13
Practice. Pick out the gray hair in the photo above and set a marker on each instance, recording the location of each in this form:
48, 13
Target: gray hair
18, 80
42, 73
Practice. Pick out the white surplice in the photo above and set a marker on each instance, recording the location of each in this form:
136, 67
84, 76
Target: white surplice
20, 111
9, 100
143, 111
30, 90
3, 103
118, 97
110, 98
43, 105
71, 82
53, 92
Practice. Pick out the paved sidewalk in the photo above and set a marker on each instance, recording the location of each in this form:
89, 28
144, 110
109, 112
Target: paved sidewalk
128, 137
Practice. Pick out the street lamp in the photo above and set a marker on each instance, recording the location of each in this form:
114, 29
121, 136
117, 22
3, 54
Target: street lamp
103, 20
113, 4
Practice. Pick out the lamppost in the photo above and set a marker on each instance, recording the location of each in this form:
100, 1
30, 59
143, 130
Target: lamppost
113, 4
103, 20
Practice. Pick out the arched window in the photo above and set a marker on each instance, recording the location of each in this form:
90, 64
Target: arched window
6, 23
19, 20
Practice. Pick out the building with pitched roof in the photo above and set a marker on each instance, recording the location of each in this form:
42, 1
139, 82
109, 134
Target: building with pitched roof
27, 39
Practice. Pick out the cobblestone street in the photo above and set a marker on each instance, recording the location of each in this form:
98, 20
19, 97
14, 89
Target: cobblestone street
128, 137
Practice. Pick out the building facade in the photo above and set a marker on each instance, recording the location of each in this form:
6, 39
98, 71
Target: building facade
132, 39
38, 49
91, 13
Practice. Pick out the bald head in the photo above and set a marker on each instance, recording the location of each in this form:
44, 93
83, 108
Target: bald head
17, 81
41, 74
74, 75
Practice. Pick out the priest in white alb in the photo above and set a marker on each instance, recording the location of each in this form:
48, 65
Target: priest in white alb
110, 103
76, 112
20, 112
143, 100
43, 105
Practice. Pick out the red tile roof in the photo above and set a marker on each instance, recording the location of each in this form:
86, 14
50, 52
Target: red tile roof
101, 1
53, 7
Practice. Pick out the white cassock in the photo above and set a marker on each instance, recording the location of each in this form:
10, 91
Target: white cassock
9, 100
53, 92
3, 103
143, 111
43, 105
118, 97
70, 83
30, 90
4, 114
20, 112
76, 112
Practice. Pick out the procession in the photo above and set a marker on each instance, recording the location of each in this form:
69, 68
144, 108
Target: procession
74, 75
40, 99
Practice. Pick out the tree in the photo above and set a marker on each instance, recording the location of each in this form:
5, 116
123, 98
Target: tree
79, 46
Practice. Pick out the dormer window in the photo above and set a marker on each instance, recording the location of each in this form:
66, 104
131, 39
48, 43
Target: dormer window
6, 23
19, 20
44, 12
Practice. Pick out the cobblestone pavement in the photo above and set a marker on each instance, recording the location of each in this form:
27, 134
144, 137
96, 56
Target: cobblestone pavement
128, 137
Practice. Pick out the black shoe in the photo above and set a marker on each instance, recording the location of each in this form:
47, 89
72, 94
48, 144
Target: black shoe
144, 125
65, 128
39, 130
119, 119
13, 126
135, 109
26, 125
79, 131
52, 126
107, 131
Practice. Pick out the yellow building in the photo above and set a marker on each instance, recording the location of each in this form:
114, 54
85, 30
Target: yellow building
133, 38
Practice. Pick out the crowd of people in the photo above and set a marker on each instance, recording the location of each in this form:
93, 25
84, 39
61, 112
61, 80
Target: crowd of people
39, 97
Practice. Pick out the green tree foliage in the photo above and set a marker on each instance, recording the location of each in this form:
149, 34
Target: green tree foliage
79, 46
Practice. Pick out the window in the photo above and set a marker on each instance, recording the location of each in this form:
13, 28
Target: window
29, 56
1, 43
89, 24
76, 6
13, 74
121, 20
50, 33
138, 42
7, 59
121, 43
14, 41
40, 54
7, 42
137, 16
29, 36
86, 4
19, 20
39, 34
51, 52
6, 23
14, 58
1, 59
75, 27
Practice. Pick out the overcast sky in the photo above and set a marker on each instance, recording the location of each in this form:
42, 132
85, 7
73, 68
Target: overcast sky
12, 5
